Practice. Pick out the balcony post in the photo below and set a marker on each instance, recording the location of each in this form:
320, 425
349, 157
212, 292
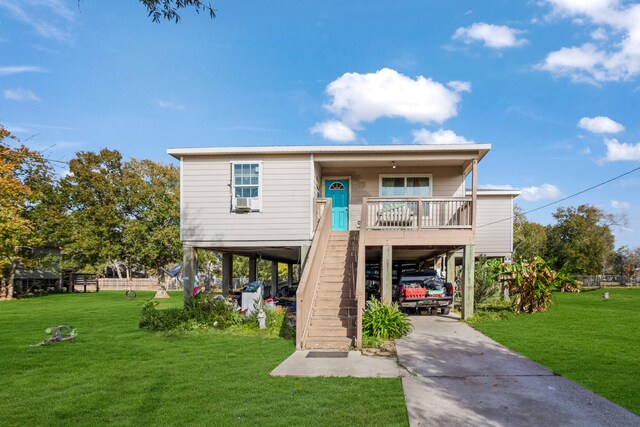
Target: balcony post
364, 215
451, 267
474, 190
386, 273
469, 278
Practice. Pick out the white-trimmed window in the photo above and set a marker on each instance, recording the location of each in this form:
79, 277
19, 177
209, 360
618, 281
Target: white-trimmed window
246, 186
418, 185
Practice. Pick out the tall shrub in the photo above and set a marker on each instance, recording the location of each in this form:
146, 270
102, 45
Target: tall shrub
486, 276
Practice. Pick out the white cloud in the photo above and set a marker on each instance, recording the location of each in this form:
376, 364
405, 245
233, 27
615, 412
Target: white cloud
359, 98
424, 136
493, 36
334, 130
169, 105
48, 18
618, 59
20, 94
617, 151
579, 63
586, 7
600, 124
17, 69
459, 86
615, 204
530, 194
599, 34
496, 187
543, 192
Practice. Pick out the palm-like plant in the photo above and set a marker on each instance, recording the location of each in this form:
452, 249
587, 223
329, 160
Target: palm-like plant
531, 284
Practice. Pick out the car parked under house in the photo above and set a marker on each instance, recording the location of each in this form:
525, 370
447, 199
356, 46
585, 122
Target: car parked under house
336, 209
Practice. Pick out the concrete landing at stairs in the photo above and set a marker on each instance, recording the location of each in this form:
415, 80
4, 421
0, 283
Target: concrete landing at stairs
354, 365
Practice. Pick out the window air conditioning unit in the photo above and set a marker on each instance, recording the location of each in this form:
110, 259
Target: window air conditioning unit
243, 204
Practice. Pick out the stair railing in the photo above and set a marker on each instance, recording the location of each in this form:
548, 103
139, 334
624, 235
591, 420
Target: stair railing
361, 274
308, 286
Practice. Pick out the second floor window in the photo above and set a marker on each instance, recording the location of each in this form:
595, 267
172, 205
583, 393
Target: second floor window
405, 186
246, 181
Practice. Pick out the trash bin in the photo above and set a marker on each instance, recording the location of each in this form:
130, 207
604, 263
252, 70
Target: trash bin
251, 295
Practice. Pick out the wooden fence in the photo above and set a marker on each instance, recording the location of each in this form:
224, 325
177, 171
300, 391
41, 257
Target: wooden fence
146, 284
607, 280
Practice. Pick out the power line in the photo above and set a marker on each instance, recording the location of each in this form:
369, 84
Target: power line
564, 198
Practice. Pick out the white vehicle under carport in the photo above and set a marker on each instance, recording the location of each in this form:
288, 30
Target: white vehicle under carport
424, 291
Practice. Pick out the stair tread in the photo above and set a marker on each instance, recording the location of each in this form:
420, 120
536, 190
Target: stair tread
334, 316
329, 340
340, 340
330, 327
331, 292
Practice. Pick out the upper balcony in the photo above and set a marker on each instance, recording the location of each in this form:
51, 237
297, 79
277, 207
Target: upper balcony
413, 221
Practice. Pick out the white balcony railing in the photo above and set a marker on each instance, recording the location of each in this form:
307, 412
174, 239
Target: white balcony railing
416, 213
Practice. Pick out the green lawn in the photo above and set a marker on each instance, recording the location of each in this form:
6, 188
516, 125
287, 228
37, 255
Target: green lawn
593, 342
118, 374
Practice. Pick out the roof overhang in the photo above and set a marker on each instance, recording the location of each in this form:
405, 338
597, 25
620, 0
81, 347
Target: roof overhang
479, 149
355, 155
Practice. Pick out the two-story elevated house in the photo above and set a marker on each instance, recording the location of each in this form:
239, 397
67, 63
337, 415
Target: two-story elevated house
335, 209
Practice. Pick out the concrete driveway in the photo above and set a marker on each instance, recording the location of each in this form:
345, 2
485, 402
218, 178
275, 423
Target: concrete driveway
460, 377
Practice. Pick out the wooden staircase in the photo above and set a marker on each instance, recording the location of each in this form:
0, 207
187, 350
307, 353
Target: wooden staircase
334, 311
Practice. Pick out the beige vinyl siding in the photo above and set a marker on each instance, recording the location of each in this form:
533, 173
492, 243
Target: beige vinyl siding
495, 239
206, 200
365, 182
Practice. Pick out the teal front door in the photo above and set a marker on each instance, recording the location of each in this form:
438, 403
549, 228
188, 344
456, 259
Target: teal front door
338, 191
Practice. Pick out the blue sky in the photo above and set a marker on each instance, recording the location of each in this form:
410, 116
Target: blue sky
553, 85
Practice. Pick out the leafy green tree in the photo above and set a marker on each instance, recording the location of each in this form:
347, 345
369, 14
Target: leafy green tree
240, 266
241, 269
529, 238
168, 9
582, 238
152, 222
24, 177
94, 196
624, 262
209, 266
123, 215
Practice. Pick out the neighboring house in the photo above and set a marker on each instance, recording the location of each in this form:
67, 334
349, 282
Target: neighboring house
46, 273
333, 210
28, 280
494, 232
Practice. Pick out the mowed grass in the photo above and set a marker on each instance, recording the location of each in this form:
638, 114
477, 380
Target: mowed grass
118, 374
593, 342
